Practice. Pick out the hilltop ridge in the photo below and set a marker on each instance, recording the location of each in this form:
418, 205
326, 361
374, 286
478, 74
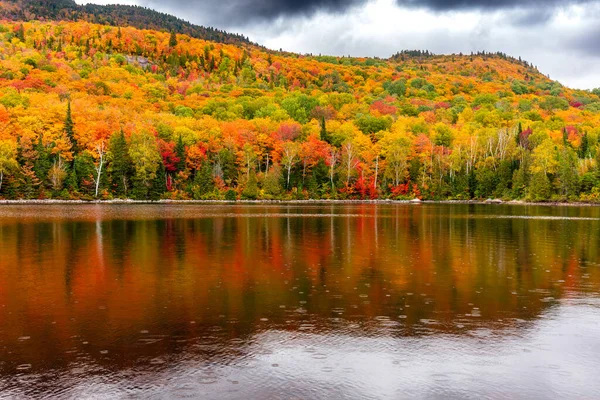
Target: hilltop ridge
115, 15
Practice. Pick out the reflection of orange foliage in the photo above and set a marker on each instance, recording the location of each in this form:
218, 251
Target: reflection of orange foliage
105, 281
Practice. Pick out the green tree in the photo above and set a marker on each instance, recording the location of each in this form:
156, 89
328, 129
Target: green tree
567, 173
159, 183
204, 181
584, 147
43, 162
120, 166
146, 160
540, 188
70, 127
173, 40
250, 192
272, 182
83, 173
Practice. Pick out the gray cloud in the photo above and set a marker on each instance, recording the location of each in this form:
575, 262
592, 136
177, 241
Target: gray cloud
461, 5
245, 12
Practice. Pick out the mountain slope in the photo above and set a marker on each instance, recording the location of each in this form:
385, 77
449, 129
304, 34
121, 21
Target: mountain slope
90, 110
115, 15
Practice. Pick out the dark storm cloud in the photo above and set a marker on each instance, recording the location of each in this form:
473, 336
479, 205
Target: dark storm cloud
462, 5
239, 13
242, 12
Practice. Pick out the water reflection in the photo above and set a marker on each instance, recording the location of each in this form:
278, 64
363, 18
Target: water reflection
302, 301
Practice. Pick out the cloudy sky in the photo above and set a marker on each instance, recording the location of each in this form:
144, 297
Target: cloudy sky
561, 37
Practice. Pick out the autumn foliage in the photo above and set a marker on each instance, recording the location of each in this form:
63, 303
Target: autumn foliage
92, 111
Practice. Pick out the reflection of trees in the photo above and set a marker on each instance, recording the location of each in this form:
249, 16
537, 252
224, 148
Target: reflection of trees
104, 282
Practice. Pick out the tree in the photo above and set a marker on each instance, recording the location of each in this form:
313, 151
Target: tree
70, 126
180, 153
567, 173
8, 159
584, 147
540, 189
349, 160
159, 183
43, 163
289, 158
272, 182
20, 33
120, 163
99, 155
397, 152
173, 40
146, 161
57, 174
251, 190
332, 159
204, 181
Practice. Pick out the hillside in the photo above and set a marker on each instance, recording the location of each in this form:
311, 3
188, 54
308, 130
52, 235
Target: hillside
115, 15
90, 110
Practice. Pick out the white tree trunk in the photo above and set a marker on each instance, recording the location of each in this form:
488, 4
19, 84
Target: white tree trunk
98, 168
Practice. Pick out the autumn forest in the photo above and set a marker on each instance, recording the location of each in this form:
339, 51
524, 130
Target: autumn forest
91, 111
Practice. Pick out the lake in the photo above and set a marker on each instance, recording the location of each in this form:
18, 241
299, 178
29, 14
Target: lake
307, 301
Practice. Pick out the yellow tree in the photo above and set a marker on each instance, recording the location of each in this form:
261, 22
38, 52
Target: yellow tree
8, 159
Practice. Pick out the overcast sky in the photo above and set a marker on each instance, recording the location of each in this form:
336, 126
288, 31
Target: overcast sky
561, 37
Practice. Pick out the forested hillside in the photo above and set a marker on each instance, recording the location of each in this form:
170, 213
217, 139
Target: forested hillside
96, 111
114, 14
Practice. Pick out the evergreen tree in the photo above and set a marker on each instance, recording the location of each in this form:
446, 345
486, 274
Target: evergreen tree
540, 188
120, 164
251, 190
584, 147
72, 182
159, 184
70, 127
204, 181
83, 170
567, 174
43, 163
173, 39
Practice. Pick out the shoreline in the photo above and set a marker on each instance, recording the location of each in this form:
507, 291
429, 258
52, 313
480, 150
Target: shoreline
274, 202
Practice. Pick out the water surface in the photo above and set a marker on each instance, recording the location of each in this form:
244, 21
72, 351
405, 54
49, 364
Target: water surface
299, 301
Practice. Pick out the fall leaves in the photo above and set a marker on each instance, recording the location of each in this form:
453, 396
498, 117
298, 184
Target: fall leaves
91, 111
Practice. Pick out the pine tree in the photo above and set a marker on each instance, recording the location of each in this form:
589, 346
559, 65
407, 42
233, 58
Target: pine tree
159, 184
173, 40
43, 163
204, 181
70, 127
251, 190
120, 164
584, 147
